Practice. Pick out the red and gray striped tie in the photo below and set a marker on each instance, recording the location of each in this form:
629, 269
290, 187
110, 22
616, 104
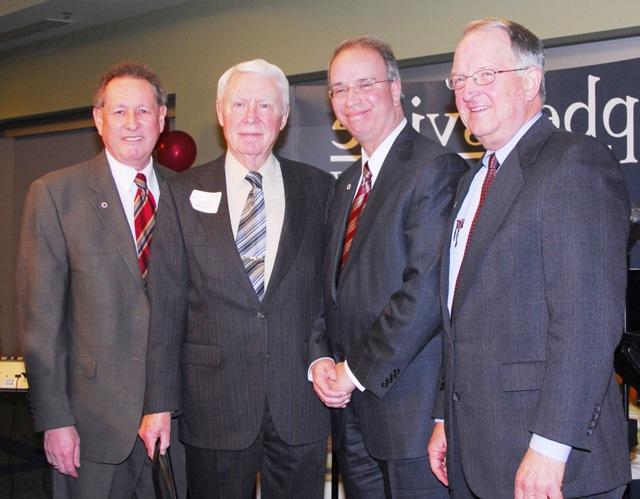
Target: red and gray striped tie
356, 209
144, 219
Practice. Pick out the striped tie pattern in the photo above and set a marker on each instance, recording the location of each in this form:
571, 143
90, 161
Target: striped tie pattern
251, 238
144, 219
356, 209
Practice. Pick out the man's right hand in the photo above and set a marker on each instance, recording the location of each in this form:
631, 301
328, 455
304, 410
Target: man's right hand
437, 450
62, 448
153, 427
324, 374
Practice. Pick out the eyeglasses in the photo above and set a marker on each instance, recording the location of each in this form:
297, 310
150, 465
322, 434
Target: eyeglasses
365, 85
482, 77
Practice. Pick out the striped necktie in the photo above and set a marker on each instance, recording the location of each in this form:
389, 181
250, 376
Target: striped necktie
251, 238
144, 219
357, 206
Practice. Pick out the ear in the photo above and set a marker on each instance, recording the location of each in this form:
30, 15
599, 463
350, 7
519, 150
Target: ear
396, 92
162, 115
219, 106
97, 119
532, 80
283, 120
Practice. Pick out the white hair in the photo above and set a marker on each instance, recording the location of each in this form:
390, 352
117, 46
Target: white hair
261, 67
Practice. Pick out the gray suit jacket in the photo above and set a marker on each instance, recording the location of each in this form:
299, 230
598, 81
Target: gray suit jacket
537, 316
83, 310
216, 352
383, 313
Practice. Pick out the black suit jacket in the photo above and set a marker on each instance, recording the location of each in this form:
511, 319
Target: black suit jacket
383, 313
537, 315
216, 352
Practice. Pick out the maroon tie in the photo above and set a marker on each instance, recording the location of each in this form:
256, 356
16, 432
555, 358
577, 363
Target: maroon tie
492, 169
356, 209
144, 209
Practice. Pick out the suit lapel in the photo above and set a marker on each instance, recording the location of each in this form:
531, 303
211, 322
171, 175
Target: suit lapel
218, 225
463, 189
342, 202
391, 171
106, 203
296, 192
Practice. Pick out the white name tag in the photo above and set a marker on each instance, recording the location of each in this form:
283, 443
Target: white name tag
206, 202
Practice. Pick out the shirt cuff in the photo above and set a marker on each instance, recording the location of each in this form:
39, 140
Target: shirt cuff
438, 420
309, 375
550, 448
352, 377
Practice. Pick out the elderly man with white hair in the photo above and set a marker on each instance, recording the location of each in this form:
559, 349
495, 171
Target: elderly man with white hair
234, 291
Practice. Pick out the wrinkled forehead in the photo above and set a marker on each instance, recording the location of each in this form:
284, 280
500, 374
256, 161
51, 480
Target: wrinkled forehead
488, 48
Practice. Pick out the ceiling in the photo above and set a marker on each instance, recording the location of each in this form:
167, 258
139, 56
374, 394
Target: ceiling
23, 22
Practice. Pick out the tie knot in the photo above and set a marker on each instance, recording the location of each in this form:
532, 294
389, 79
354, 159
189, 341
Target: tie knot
366, 172
255, 179
141, 181
493, 164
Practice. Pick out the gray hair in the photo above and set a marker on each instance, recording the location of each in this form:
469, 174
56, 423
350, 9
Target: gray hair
375, 43
130, 69
526, 47
260, 67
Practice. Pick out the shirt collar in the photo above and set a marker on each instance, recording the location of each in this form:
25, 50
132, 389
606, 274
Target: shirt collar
236, 171
125, 173
380, 154
505, 150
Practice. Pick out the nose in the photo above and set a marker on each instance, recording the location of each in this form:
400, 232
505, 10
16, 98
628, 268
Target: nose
470, 89
353, 96
131, 120
251, 114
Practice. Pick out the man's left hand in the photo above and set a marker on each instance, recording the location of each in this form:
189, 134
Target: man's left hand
539, 476
343, 383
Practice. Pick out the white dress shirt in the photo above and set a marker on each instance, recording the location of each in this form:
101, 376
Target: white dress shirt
459, 236
238, 189
124, 176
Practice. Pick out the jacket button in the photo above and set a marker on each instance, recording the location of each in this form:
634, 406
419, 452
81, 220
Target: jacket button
455, 397
589, 431
260, 315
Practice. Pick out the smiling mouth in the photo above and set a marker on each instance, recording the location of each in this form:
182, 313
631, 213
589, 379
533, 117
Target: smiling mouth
476, 109
133, 139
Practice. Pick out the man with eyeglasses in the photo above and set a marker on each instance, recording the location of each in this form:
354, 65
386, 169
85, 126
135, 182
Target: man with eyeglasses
379, 342
534, 276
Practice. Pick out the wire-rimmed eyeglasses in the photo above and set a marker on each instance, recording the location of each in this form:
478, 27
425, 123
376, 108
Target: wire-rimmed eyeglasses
481, 77
363, 85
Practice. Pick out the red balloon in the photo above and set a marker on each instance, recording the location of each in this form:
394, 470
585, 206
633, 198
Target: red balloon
176, 150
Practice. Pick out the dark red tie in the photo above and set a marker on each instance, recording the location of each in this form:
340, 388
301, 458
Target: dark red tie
492, 169
144, 209
356, 209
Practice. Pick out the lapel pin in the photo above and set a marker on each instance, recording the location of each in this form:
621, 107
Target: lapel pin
348, 187
103, 204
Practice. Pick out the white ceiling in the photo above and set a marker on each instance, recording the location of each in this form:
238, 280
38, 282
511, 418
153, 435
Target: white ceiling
27, 21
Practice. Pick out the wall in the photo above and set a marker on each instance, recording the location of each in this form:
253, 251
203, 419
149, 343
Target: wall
192, 44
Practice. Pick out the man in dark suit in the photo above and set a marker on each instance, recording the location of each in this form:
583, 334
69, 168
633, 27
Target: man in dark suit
533, 288
82, 302
381, 327
235, 288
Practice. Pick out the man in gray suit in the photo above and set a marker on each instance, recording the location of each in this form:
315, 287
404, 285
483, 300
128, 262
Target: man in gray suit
533, 288
235, 288
381, 327
82, 302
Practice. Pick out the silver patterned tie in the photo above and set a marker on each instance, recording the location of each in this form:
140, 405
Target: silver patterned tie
251, 239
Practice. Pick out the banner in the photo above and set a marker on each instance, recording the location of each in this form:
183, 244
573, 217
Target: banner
597, 100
